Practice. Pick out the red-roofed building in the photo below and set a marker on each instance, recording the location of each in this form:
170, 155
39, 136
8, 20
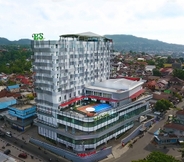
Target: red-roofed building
132, 78
151, 84
166, 71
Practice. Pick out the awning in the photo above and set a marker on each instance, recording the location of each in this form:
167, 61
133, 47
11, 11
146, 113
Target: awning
137, 94
157, 132
72, 101
102, 98
157, 138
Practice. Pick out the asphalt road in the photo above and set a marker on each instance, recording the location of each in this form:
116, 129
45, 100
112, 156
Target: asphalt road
30, 148
143, 146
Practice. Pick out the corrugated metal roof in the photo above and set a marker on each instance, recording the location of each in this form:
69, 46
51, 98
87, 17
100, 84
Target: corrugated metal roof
13, 86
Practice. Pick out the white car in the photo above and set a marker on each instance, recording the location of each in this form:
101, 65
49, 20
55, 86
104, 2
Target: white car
8, 134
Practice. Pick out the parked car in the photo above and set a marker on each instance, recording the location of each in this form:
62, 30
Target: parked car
7, 151
22, 155
8, 134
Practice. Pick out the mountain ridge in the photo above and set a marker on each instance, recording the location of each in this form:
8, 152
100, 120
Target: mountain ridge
123, 43
5, 41
126, 43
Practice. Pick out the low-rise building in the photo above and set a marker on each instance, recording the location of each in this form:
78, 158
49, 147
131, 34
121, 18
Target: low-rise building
13, 88
24, 114
19, 116
173, 131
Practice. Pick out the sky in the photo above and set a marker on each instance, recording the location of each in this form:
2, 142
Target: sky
153, 19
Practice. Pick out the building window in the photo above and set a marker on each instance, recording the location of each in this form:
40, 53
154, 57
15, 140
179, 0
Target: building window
65, 97
59, 99
56, 45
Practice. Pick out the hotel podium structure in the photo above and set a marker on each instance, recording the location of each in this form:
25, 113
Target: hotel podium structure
77, 104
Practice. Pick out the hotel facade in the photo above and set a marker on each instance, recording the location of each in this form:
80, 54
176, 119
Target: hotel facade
71, 78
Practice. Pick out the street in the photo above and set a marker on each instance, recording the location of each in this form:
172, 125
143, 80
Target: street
40, 154
143, 146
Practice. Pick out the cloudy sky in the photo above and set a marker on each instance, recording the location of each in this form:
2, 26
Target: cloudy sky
154, 19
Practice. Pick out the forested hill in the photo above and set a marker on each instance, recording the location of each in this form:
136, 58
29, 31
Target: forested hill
123, 43
4, 41
126, 43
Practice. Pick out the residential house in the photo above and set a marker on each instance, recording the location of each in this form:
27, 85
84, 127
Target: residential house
161, 95
14, 88
150, 67
166, 71
151, 85
173, 131
176, 65
161, 85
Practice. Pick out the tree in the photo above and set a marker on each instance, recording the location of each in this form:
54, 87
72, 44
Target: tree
156, 72
158, 157
169, 60
162, 105
178, 73
151, 62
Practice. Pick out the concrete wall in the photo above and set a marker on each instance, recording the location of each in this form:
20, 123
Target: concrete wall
72, 156
136, 132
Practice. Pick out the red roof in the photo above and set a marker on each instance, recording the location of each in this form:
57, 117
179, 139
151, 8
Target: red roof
99, 98
151, 83
72, 101
180, 112
20, 77
102, 98
174, 126
137, 93
131, 78
25, 81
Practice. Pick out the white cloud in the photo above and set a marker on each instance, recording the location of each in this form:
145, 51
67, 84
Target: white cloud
160, 20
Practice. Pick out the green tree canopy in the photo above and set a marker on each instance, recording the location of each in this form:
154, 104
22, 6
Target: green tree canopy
15, 59
178, 73
151, 62
162, 105
158, 157
156, 72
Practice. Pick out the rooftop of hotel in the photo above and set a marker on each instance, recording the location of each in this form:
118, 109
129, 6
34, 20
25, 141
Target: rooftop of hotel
116, 85
90, 108
84, 35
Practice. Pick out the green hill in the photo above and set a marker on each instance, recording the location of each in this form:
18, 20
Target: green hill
128, 42
4, 41
124, 43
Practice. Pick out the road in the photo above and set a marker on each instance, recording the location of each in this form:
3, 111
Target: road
30, 148
143, 146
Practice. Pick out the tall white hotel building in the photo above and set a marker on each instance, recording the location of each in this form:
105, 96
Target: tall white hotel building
74, 72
